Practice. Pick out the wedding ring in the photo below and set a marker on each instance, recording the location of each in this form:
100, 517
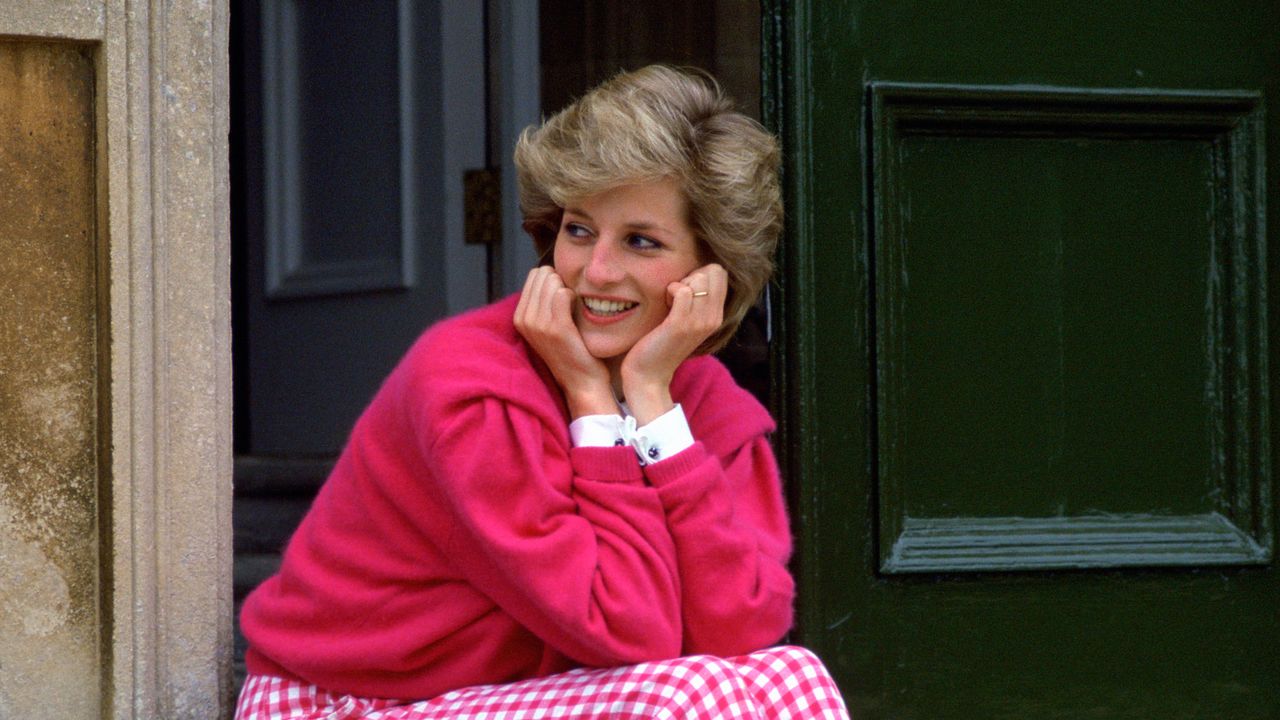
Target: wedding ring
700, 293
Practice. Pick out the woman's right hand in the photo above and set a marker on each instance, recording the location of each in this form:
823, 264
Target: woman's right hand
544, 317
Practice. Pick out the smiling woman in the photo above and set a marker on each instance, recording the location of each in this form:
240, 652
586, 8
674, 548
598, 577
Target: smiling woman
620, 251
656, 124
560, 503
626, 261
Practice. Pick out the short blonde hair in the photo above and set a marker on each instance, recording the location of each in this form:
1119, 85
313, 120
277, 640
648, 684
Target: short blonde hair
654, 123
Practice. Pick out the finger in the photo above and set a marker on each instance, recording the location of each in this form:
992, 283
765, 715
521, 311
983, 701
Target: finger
671, 294
712, 285
527, 294
702, 287
682, 301
706, 307
538, 300
560, 301
530, 278
719, 288
696, 282
703, 271
717, 277
548, 283
562, 306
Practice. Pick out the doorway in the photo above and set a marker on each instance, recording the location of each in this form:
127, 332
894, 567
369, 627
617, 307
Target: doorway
353, 128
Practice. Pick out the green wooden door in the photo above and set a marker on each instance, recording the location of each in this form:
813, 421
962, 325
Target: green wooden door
1029, 327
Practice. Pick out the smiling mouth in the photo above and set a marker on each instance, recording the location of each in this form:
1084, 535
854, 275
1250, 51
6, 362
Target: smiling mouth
606, 308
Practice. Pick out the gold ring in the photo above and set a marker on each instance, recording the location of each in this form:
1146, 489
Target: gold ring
700, 293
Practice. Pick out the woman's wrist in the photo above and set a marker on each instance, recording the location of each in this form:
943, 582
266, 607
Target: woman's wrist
590, 401
648, 400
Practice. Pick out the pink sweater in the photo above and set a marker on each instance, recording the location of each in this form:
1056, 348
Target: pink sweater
462, 540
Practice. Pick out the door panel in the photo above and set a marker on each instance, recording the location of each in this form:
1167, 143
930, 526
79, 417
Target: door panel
356, 143
334, 145
1027, 250
1067, 362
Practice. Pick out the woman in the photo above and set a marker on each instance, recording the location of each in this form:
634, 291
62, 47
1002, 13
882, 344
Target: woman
560, 505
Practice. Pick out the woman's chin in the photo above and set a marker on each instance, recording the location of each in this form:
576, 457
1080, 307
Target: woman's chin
607, 352
607, 355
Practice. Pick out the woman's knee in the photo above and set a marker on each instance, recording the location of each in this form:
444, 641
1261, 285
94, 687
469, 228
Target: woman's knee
794, 653
711, 683
790, 660
793, 682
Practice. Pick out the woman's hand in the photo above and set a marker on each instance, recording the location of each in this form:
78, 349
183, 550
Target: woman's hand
697, 311
544, 317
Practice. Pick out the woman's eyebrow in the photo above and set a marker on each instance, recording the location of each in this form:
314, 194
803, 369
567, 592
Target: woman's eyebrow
646, 225
633, 224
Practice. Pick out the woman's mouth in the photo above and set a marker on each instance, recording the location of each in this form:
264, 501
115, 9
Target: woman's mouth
606, 308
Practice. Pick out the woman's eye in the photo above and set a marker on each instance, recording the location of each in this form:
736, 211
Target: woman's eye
640, 242
576, 230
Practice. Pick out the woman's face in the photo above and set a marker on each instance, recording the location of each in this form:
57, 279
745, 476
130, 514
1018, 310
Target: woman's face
618, 250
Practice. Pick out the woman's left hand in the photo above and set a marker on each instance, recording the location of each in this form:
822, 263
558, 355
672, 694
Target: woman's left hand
696, 311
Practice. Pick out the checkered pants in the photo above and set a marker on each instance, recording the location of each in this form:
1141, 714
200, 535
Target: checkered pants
781, 682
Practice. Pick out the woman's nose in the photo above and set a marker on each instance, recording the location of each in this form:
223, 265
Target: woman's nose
603, 267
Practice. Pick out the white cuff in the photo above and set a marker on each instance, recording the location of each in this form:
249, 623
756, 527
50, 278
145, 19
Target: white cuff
596, 431
664, 436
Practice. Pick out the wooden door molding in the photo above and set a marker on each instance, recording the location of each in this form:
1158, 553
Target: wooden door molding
1231, 525
297, 263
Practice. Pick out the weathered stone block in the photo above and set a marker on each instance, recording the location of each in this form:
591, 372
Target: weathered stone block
49, 381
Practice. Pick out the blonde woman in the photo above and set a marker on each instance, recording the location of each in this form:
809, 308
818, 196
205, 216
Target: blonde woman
561, 505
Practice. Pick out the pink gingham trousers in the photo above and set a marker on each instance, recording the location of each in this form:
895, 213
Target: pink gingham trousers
780, 682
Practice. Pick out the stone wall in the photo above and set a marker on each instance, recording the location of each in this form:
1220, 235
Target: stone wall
115, 385
49, 584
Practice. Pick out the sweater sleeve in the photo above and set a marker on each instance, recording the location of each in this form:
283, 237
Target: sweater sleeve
727, 519
569, 541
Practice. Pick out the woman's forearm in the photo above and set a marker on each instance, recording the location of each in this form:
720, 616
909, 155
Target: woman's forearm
732, 543
571, 543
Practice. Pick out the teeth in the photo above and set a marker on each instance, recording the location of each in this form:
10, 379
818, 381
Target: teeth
606, 307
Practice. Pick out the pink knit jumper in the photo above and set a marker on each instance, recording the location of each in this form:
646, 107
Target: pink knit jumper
462, 540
